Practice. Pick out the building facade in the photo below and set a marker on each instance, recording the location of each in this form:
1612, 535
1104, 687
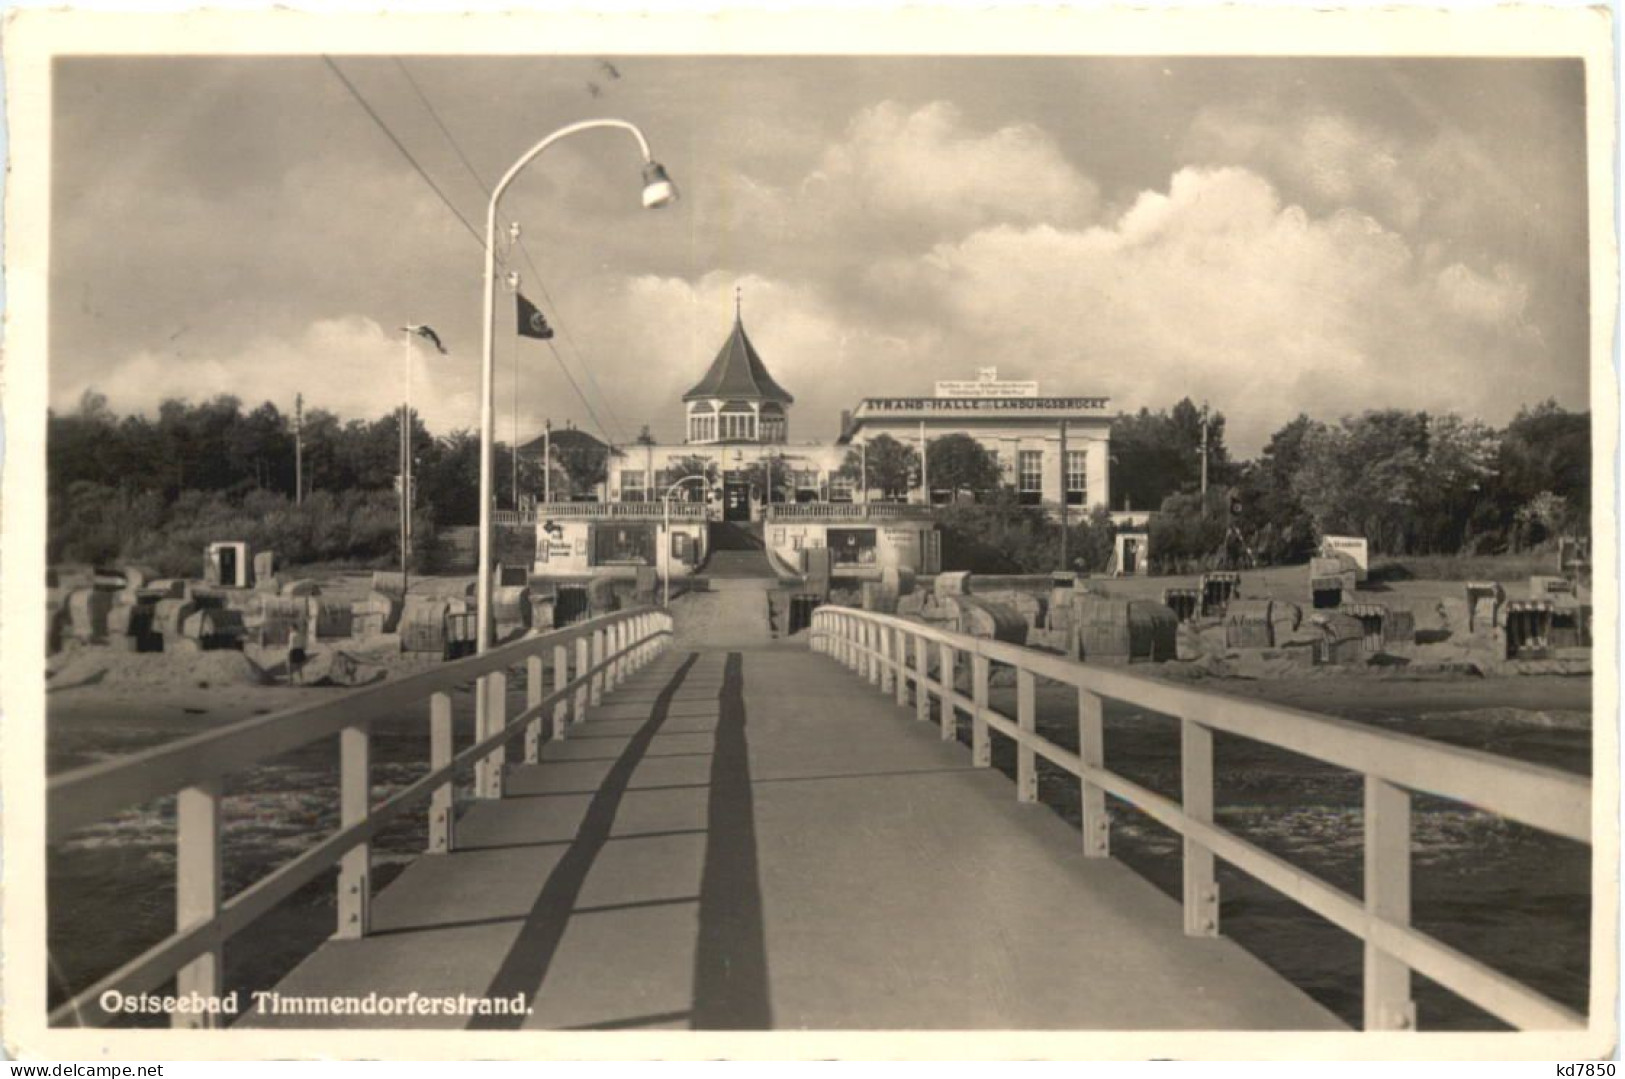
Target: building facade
1051, 450
738, 465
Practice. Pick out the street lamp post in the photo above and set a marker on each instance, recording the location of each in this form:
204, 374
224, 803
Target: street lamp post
658, 190
665, 536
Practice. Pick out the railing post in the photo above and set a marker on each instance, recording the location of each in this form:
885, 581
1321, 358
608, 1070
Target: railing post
1196, 796
883, 642
197, 891
871, 634
583, 691
922, 674
949, 716
613, 645
561, 675
899, 656
442, 810
534, 691
1092, 749
496, 718
1027, 720
981, 748
1388, 1003
597, 663
355, 802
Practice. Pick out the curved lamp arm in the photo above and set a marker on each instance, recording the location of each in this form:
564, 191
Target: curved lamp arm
584, 125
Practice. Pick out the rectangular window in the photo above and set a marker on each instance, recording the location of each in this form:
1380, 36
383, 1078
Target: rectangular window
852, 546
632, 488
1077, 481
1030, 476
840, 488
623, 545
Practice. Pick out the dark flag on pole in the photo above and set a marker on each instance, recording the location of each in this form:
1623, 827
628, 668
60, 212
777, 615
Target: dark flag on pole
430, 336
532, 323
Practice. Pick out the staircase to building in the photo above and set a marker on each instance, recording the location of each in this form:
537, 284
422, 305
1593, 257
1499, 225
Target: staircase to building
738, 557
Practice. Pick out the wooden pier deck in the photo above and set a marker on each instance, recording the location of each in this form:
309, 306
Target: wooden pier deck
754, 839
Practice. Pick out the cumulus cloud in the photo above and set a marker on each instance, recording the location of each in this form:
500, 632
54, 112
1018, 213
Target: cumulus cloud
1218, 289
349, 365
1317, 154
1274, 259
925, 165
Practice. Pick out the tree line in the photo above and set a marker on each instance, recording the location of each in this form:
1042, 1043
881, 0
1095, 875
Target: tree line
1412, 482
125, 487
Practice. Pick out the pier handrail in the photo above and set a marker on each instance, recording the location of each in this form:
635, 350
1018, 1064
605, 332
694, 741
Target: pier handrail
588, 659
877, 646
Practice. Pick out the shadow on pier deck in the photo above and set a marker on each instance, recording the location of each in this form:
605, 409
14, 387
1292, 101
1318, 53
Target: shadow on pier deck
754, 839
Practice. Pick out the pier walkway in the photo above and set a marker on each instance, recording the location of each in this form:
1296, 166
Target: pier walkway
792, 836
753, 839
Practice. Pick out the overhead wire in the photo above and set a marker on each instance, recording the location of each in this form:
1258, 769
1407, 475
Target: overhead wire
524, 251
452, 207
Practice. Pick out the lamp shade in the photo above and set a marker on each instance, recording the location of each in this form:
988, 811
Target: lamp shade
658, 190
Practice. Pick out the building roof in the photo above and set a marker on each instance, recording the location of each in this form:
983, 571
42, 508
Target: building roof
564, 438
739, 374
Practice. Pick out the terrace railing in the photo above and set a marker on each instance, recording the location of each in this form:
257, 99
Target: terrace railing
587, 660
847, 511
593, 511
878, 647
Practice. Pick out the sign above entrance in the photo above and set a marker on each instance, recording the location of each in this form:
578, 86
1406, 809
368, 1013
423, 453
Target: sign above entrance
986, 387
880, 405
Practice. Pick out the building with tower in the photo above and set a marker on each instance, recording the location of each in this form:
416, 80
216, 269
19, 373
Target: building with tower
739, 478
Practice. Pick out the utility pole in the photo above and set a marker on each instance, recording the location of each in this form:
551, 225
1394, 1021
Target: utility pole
1204, 452
1065, 507
547, 460
925, 475
298, 449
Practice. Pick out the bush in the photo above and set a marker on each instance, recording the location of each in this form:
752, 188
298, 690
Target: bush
102, 524
1002, 536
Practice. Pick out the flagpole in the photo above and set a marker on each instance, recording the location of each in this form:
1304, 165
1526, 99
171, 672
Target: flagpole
406, 456
547, 460
513, 452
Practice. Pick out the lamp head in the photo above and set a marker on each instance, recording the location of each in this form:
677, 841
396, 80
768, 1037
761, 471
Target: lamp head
658, 190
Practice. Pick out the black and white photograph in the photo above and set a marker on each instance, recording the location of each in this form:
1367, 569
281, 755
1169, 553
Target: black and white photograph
554, 532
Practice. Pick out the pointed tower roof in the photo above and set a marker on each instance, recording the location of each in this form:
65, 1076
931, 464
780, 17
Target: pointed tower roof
738, 372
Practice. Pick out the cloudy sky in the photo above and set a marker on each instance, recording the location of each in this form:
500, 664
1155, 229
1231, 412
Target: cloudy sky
1274, 236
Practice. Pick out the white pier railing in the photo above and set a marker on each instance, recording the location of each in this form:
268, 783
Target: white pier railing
878, 647
587, 660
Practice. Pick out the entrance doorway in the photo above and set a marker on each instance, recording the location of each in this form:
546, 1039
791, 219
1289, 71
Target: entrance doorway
735, 501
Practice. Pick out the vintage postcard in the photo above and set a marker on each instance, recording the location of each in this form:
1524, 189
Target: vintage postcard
939, 533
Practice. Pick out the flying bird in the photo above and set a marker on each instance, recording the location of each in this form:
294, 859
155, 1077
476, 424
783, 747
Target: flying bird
609, 69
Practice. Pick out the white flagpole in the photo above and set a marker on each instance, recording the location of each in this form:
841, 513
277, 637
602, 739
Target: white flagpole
406, 452
513, 452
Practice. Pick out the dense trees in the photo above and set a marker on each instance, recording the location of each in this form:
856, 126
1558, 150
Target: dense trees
889, 466
113, 480
1157, 454
960, 465
1411, 482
